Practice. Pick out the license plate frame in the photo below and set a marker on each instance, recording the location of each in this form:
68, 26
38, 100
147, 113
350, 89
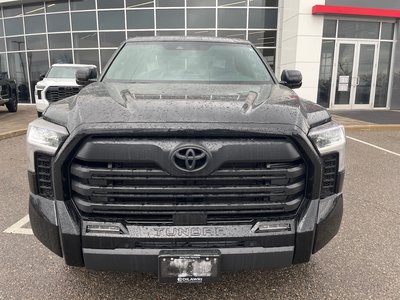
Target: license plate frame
189, 266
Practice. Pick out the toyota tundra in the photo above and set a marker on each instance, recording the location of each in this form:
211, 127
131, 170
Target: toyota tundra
186, 158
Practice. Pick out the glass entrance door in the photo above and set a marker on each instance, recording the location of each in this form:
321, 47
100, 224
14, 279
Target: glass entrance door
355, 74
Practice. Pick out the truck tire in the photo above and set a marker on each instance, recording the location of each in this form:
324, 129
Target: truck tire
12, 105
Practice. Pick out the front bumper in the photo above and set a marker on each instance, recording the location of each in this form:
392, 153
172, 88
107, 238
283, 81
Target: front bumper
59, 227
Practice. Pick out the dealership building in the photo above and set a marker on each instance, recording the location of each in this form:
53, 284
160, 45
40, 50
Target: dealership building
346, 49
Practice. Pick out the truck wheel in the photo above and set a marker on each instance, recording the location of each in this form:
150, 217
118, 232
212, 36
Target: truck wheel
12, 104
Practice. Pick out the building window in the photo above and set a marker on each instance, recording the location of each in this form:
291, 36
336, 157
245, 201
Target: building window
85, 40
12, 11
36, 42
83, 21
325, 73
263, 18
230, 3
2, 45
15, 43
170, 3
60, 41
269, 3
140, 19
134, 33
33, 9
262, 38
87, 57
61, 57
382, 79
358, 30
170, 18
58, 22
13, 26
201, 18
202, 3
105, 4
35, 24
329, 30
232, 18
83, 4
111, 39
387, 31
233, 34
57, 6
139, 3
200, 32
111, 20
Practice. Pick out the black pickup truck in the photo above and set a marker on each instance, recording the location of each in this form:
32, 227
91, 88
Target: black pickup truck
186, 158
8, 92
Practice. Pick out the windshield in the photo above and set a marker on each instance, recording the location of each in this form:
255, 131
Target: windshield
62, 72
188, 61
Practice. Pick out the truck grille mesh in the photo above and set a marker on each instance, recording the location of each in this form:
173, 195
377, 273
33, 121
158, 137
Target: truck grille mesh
56, 93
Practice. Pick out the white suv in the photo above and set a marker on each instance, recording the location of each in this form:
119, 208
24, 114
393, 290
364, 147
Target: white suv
57, 84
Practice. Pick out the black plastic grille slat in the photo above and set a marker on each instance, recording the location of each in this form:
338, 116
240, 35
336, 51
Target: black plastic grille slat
330, 168
121, 191
239, 206
44, 175
56, 93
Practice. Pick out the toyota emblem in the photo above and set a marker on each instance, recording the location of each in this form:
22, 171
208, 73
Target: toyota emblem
190, 158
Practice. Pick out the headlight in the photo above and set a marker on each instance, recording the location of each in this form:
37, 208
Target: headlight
329, 138
43, 136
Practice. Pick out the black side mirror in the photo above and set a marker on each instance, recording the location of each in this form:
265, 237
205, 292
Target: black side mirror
42, 76
292, 78
85, 76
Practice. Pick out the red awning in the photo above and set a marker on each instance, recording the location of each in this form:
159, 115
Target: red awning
355, 11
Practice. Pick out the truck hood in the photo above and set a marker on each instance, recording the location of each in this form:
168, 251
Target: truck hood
58, 82
106, 102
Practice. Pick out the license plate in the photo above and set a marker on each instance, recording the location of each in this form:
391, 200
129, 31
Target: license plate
189, 266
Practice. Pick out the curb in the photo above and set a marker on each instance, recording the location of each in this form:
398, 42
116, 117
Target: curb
373, 127
10, 134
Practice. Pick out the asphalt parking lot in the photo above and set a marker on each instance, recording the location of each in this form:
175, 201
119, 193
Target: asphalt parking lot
362, 262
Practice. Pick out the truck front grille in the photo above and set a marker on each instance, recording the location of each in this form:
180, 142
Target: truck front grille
235, 190
56, 93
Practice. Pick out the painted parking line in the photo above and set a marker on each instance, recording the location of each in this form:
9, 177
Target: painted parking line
17, 228
374, 146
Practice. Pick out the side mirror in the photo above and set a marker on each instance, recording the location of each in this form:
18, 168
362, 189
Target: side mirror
85, 76
42, 76
292, 78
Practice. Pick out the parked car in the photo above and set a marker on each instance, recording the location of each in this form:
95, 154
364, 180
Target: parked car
8, 92
187, 158
57, 84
